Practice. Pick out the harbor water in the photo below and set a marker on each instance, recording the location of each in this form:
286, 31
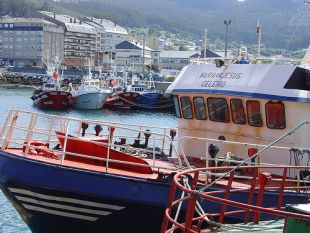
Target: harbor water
19, 98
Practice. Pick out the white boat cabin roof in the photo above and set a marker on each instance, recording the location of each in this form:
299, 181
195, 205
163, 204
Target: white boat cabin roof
263, 81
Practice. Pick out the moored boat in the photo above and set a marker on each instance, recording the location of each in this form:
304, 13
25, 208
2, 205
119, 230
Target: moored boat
57, 169
121, 99
90, 94
50, 95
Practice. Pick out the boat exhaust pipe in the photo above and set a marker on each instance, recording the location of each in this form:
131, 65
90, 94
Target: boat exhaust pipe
84, 128
98, 129
212, 150
173, 133
147, 136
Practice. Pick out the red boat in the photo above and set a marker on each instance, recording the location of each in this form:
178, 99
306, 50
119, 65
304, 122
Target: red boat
121, 100
50, 96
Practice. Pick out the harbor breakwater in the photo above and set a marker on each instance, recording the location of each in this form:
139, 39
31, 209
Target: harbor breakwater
35, 78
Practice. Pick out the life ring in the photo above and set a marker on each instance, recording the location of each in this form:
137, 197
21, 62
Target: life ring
39, 147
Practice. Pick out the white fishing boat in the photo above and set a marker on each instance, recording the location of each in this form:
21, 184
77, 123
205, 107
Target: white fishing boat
90, 94
250, 103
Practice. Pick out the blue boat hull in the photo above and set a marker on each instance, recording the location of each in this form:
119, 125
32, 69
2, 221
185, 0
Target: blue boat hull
110, 203
52, 198
154, 101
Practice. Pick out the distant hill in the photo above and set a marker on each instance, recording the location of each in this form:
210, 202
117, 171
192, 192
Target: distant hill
285, 23
280, 19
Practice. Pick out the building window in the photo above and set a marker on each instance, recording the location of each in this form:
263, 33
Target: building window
200, 109
237, 111
218, 109
275, 115
186, 106
254, 114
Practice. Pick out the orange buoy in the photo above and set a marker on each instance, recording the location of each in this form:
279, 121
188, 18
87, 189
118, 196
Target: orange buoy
55, 75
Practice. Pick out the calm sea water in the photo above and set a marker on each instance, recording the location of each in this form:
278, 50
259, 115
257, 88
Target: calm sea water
19, 98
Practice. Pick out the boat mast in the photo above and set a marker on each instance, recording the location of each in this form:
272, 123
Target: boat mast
259, 36
205, 51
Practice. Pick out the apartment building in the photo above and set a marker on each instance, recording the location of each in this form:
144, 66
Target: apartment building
109, 34
130, 54
30, 42
79, 40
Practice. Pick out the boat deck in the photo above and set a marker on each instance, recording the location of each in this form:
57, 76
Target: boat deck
274, 226
169, 166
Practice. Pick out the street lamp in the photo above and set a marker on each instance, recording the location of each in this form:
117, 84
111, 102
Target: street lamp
226, 22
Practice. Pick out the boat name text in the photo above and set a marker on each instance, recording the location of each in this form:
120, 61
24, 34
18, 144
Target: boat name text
221, 81
228, 75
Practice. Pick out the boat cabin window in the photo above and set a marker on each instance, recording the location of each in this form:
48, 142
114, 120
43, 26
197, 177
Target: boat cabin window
186, 106
218, 109
177, 106
275, 115
237, 111
199, 107
254, 114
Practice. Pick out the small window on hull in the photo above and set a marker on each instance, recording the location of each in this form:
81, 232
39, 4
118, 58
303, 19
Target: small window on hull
237, 111
186, 106
218, 109
275, 115
254, 114
200, 109
177, 106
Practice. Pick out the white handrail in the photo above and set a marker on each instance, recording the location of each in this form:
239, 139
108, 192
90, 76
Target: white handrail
48, 134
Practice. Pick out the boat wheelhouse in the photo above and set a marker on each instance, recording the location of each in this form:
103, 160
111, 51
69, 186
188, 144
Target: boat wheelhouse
253, 104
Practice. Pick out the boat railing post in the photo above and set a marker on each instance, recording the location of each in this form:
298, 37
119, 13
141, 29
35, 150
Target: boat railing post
30, 131
182, 152
65, 144
154, 140
5, 126
164, 140
109, 145
207, 154
281, 191
52, 120
10, 131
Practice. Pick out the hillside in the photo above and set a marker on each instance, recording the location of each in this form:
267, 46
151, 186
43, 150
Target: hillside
285, 23
280, 19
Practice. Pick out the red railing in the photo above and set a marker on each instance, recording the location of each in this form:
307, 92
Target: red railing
255, 186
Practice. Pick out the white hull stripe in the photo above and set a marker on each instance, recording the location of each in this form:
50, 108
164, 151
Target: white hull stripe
59, 213
63, 207
64, 199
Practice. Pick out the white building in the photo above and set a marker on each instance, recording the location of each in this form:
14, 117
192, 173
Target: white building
130, 54
175, 60
109, 34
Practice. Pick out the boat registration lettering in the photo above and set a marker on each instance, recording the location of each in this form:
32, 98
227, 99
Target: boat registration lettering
213, 83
